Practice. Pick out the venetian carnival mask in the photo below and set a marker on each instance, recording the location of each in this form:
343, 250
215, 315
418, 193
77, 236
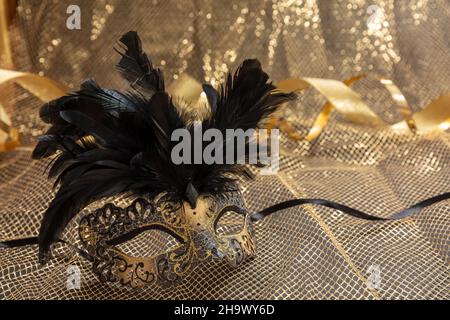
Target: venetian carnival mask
108, 143
195, 229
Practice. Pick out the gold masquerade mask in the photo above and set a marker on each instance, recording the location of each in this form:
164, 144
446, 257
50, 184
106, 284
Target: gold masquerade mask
196, 230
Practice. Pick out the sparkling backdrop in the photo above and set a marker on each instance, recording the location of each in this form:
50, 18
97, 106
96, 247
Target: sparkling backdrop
308, 252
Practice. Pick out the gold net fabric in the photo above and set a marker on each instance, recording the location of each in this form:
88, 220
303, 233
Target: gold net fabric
305, 252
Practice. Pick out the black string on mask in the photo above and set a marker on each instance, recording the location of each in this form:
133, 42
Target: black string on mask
415, 209
350, 211
34, 241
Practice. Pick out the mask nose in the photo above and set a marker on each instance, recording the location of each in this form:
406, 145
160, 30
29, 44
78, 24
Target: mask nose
217, 254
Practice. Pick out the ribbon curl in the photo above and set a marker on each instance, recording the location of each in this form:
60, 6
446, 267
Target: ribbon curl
435, 116
339, 95
43, 88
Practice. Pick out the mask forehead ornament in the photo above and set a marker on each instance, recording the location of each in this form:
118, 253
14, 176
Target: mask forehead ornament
194, 228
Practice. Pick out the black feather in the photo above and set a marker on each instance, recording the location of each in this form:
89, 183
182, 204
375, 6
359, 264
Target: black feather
137, 68
131, 150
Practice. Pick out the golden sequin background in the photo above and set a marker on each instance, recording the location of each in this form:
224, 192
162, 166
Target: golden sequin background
305, 252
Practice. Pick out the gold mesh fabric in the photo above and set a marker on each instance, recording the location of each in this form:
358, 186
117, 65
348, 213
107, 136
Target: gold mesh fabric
305, 252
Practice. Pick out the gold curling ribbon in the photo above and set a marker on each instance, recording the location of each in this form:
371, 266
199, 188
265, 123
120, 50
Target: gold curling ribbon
395, 92
402, 105
43, 88
186, 88
322, 118
9, 137
435, 116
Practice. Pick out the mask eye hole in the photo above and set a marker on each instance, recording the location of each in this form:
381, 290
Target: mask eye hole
229, 222
147, 241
